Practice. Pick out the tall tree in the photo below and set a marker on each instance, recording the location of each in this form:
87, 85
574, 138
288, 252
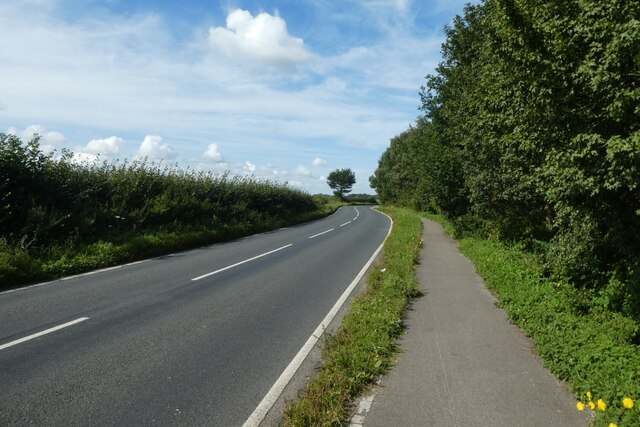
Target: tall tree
532, 125
341, 181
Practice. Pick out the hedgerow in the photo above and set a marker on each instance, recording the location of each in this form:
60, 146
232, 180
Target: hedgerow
58, 216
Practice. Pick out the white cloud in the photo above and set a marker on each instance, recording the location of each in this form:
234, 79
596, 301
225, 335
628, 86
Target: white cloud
322, 178
302, 171
213, 153
105, 146
390, 64
113, 73
249, 167
84, 158
263, 38
154, 149
270, 171
319, 162
49, 140
402, 6
399, 6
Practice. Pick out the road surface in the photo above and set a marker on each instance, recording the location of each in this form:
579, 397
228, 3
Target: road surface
193, 338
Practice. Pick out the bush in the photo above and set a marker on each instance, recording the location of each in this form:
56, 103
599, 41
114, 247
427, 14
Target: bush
468, 225
16, 265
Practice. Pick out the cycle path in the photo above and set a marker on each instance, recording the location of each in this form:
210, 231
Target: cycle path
462, 362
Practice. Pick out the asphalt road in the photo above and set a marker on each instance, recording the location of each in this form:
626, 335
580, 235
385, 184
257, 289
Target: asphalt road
151, 345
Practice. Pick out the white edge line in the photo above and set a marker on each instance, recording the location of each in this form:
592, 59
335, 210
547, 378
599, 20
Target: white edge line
274, 393
346, 223
136, 262
76, 276
241, 262
45, 332
62, 279
320, 234
91, 273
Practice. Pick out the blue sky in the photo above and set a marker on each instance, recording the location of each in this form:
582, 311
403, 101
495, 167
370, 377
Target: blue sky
281, 90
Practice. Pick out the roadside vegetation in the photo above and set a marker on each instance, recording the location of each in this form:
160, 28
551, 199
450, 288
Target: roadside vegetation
361, 199
365, 344
58, 217
530, 149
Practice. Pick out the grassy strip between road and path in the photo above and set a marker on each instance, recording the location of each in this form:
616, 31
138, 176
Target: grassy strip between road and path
366, 342
592, 350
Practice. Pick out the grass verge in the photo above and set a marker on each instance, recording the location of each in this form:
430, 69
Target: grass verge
590, 350
365, 343
19, 267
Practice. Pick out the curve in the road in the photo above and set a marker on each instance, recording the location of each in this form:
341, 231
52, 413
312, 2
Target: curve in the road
162, 348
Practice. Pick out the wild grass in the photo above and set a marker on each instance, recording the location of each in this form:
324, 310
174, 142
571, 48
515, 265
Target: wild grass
365, 344
59, 217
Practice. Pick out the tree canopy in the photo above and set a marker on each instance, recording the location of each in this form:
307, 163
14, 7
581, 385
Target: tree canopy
341, 181
532, 128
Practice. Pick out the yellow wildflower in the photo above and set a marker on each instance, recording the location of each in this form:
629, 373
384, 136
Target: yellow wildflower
602, 405
627, 402
589, 395
613, 425
592, 406
580, 406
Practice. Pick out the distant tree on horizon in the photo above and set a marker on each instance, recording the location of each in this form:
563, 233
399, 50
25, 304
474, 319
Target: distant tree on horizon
341, 182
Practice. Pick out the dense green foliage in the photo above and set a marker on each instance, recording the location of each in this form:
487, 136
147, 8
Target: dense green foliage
578, 339
341, 181
365, 344
419, 171
364, 199
532, 134
58, 216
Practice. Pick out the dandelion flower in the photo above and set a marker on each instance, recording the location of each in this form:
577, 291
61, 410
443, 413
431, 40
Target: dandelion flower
589, 395
580, 406
601, 405
592, 406
627, 402
613, 425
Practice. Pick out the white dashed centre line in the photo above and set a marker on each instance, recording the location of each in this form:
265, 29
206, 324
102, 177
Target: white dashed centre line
346, 223
256, 418
241, 262
41, 333
320, 234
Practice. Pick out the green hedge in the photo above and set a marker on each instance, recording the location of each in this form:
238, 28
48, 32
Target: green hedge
59, 217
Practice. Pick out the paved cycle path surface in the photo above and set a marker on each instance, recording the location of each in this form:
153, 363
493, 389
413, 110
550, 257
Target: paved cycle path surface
463, 363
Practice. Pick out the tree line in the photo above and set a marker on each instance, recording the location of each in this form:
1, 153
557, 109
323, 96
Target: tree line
531, 134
